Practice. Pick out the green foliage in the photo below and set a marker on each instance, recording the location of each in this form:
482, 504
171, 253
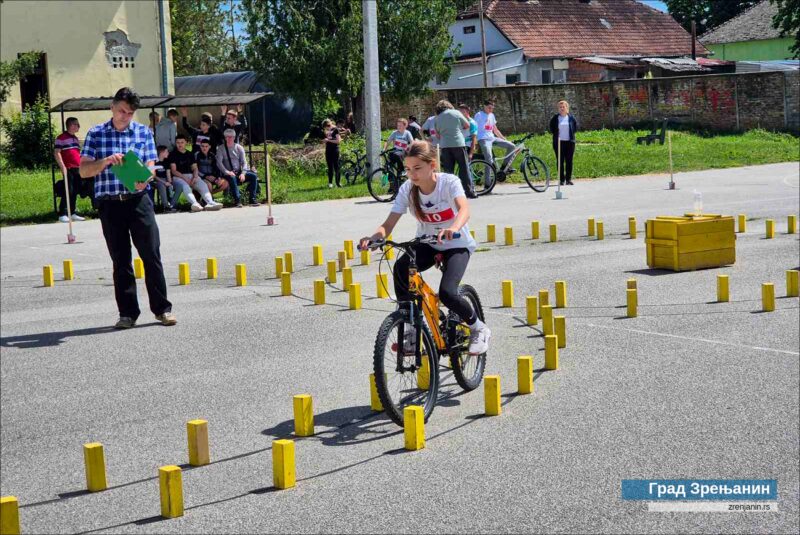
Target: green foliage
12, 71
203, 39
27, 137
707, 14
787, 20
325, 107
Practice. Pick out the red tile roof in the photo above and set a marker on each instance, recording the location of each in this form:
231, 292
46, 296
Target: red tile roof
574, 28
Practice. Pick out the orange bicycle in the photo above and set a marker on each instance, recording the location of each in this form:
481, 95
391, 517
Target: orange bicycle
413, 338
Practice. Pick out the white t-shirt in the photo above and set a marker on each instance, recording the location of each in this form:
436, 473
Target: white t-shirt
430, 126
438, 211
563, 128
486, 125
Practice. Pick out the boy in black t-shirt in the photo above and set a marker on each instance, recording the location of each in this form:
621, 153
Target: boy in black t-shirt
185, 178
207, 168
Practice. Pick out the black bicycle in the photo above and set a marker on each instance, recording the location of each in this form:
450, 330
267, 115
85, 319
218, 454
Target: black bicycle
354, 166
534, 170
385, 181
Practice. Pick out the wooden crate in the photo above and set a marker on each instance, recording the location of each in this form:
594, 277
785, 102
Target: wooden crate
690, 242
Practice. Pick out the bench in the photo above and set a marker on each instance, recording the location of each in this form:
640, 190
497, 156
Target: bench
654, 134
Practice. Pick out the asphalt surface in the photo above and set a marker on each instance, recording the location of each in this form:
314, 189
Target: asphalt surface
689, 389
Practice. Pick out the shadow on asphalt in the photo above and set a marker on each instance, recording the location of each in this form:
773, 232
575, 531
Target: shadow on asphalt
34, 340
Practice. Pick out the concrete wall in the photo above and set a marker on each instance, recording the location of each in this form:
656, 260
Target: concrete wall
716, 102
71, 34
761, 50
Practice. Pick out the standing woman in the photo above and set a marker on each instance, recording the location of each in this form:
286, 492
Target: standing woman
332, 140
563, 127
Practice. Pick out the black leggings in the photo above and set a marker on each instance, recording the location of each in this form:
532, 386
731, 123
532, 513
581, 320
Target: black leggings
332, 159
567, 152
454, 265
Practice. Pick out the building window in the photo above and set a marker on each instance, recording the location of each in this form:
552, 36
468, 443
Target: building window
34, 86
122, 62
469, 29
512, 78
547, 76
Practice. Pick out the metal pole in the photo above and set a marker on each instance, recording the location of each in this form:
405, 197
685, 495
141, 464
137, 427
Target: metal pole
483, 46
694, 38
53, 163
372, 96
669, 143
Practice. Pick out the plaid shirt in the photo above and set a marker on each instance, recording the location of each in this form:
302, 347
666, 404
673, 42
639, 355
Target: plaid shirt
103, 140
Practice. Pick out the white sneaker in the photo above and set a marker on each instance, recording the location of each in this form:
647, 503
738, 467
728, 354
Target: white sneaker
76, 217
196, 207
479, 341
330, 185
213, 206
64, 219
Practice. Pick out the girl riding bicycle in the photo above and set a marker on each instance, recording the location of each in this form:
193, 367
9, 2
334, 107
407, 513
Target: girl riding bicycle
440, 205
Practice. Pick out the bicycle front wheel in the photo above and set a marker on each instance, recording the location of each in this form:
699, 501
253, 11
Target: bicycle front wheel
467, 369
536, 173
483, 176
400, 381
382, 185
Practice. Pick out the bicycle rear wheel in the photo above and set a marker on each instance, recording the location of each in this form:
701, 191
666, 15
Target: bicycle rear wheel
536, 173
382, 185
467, 369
399, 381
349, 171
483, 176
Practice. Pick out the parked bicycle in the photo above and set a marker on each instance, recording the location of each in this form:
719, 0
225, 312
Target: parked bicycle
410, 375
384, 182
534, 170
354, 166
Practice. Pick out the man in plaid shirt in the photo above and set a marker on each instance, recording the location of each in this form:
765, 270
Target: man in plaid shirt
126, 215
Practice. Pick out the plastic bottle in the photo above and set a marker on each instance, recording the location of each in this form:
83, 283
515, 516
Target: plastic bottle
698, 202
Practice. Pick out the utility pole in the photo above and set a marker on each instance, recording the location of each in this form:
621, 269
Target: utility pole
483, 46
694, 38
372, 94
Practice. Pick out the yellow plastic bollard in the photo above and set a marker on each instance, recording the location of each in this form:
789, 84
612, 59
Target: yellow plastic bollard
534, 230
742, 223
490, 230
633, 303
348, 249
560, 323
389, 253
632, 227
590, 226
553, 233
138, 268
508, 293
632, 284
723, 293
170, 482
561, 294
316, 255
414, 427
601, 234
342, 260
332, 271
184, 277
792, 283
303, 415
544, 299
286, 283
212, 270
472, 233
791, 224
278, 267
509, 235
382, 285
424, 375
69, 271
288, 262
374, 400
197, 438
491, 395
94, 462
9, 515
548, 327
319, 292
347, 278
768, 297
525, 374
241, 275
355, 296
770, 229
283, 469
47, 276
532, 309
365, 257
551, 352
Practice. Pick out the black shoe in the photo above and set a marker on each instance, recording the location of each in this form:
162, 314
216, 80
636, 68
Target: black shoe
471, 195
570, 183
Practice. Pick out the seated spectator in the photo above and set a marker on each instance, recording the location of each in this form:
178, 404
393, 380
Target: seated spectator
163, 180
207, 168
235, 120
232, 163
185, 178
167, 129
68, 157
155, 118
207, 130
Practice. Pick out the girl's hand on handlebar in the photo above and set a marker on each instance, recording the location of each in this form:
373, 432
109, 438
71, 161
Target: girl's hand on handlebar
446, 234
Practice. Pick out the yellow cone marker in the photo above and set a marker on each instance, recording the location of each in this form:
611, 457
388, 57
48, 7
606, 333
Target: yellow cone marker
319, 292
95, 467
601, 234
69, 271
548, 327
508, 293
490, 233
632, 227
632, 302
374, 400
742, 223
278, 267
632, 284
534, 230
9, 515
560, 323
47, 276
791, 224
532, 309
342, 260
723, 293
551, 352
382, 285
770, 229
355, 296
283, 469
553, 233
303, 415
183, 274
365, 257
138, 268
170, 483
525, 374
544, 299
332, 271
590, 226
561, 294
241, 275
286, 283
348, 249
792, 283
316, 255
509, 235
424, 375
288, 262
212, 271
491, 395
768, 297
414, 427
197, 438
347, 278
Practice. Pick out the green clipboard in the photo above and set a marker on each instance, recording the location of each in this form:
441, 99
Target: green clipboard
131, 171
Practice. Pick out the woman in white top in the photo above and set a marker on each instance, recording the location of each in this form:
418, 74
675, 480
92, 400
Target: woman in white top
563, 127
439, 203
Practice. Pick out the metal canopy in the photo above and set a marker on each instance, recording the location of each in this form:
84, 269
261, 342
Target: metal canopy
167, 101
104, 103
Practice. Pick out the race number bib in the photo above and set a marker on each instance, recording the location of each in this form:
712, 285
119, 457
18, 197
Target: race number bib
439, 214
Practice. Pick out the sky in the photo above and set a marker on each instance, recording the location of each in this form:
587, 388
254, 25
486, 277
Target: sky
661, 6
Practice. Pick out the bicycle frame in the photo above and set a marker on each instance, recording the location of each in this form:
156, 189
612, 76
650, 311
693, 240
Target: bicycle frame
430, 305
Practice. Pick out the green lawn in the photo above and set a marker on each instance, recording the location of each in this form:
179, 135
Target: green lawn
297, 176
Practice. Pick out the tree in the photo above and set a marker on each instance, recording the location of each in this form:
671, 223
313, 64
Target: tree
787, 20
707, 14
12, 72
313, 48
203, 39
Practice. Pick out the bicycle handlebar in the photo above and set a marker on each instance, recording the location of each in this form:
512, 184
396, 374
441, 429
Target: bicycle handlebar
424, 239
